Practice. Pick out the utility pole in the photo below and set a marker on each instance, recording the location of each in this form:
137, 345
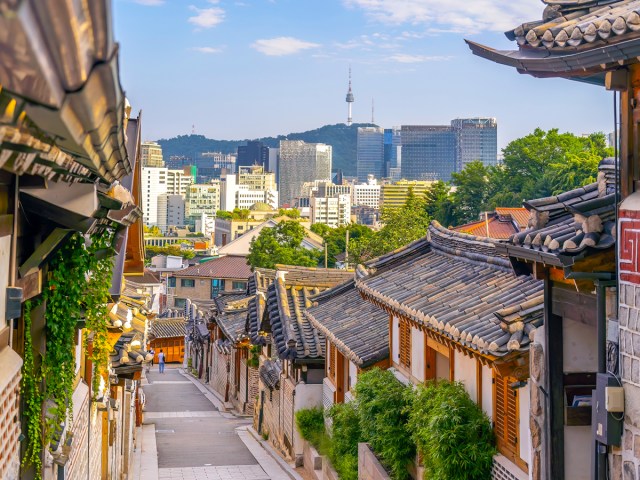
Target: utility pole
346, 251
326, 254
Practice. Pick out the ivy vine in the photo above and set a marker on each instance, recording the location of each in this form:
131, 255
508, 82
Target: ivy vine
77, 287
31, 380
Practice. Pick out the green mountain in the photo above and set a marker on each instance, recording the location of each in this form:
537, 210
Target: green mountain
342, 138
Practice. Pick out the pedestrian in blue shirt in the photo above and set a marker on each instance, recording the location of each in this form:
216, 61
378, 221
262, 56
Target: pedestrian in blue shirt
161, 362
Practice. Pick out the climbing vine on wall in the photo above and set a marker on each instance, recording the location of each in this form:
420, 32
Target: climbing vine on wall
31, 380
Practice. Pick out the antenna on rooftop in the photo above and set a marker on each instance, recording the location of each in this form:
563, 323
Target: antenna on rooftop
193, 129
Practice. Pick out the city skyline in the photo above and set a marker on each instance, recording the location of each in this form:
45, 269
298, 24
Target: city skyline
245, 70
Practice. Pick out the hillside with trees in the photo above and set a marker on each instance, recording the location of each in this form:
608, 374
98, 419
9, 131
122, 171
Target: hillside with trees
342, 138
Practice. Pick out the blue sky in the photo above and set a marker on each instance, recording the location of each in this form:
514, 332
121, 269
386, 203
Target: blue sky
241, 69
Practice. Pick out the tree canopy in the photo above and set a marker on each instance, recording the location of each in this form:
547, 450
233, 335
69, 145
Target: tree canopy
281, 244
336, 238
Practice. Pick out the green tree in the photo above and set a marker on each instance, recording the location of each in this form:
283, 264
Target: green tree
439, 203
281, 245
472, 189
292, 213
152, 231
336, 238
401, 226
175, 250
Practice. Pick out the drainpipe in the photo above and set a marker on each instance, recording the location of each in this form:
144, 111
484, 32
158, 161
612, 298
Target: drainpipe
602, 281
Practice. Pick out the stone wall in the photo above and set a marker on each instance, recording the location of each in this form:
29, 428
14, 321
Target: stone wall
254, 390
369, 468
536, 409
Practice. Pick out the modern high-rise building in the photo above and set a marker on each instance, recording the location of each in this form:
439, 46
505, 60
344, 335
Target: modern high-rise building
178, 181
370, 153
151, 154
202, 198
301, 162
274, 161
429, 152
212, 165
154, 183
477, 139
253, 153
170, 211
392, 153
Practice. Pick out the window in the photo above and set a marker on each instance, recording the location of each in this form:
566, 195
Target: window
505, 414
405, 342
217, 286
179, 302
239, 285
172, 281
187, 282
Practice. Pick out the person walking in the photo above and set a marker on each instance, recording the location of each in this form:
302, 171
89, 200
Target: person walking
153, 355
161, 361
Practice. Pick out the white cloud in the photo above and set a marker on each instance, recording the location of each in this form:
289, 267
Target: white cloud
407, 58
280, 46
206, 17
208, 50
460, 16
149, 3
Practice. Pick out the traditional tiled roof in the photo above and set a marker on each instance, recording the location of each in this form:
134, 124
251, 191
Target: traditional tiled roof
149, 277
223, 300
287, 298
572, 223
228, 267
168, 327
494, 226
260, 280
232, 323
455, 287
270, 374
519, 215
358, 329
125, 359
574, 38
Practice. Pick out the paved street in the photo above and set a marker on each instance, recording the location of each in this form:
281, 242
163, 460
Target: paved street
194, 440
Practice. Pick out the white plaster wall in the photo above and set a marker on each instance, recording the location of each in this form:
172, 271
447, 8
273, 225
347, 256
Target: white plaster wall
579, 343
353, 373
464, 370
395, 344
306, 396
525, 431
487, 391
417, 354
5, 253
577, 453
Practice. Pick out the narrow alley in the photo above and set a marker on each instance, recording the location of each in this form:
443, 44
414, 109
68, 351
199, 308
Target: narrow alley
189, 438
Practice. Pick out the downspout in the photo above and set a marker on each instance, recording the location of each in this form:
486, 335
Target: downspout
13, 268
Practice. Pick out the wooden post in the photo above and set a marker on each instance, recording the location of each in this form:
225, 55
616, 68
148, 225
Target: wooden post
629, 118
554, 360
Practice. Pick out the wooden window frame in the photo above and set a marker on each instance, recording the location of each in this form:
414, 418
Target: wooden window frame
506, 423
404, 344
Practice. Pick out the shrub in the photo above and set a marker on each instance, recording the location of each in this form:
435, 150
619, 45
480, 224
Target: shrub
345, 435
383, 413
451, 432
310, 422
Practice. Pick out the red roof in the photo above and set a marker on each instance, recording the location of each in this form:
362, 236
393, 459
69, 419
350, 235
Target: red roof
231, 267
520, 215
497, 228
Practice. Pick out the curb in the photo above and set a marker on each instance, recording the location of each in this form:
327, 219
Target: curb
273, 454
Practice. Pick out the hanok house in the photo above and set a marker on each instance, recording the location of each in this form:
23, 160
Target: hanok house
197, 339
357, 336
234, 365
597, 42
205, 281
457, 312
293, 352
571, 247
168, 333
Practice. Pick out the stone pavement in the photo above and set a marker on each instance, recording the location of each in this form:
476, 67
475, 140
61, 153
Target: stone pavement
185, 437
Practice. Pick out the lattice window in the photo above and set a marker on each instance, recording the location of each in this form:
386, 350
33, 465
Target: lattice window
405, 343
333, 362
506, 417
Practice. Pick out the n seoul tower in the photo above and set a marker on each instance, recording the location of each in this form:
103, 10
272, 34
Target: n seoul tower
350, 101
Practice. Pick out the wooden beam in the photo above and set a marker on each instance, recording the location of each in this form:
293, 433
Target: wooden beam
554, 359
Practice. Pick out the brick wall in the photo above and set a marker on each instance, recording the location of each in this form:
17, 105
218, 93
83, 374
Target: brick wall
10, 365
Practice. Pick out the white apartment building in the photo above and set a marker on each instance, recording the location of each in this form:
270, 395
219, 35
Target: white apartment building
178, 182
154, 184
151, 154
366, 194
202, 198
323, 188
170, 211
333, 211
248, 187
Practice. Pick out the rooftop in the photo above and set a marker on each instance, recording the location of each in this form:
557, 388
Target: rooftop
227, 267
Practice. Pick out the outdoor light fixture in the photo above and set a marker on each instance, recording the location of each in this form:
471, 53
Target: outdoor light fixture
518, 384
